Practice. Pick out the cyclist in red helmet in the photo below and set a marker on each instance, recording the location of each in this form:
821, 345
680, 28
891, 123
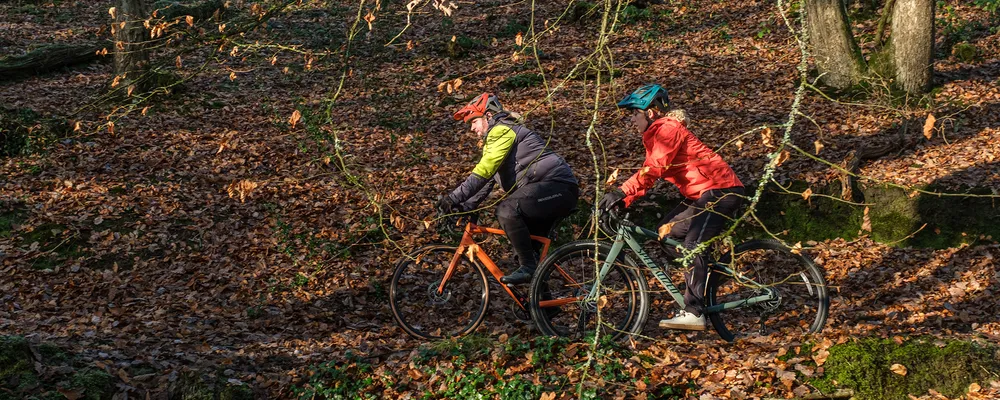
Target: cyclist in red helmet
712, 192
540, 186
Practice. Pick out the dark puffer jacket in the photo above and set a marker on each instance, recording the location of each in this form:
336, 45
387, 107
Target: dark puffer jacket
513, 156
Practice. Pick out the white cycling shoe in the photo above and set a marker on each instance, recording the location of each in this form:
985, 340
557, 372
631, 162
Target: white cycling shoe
685, 321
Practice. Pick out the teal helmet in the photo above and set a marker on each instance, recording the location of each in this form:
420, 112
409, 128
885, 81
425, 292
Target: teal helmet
644, 96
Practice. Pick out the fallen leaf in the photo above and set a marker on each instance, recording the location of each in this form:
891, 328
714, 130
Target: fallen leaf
72, 394
548, 396
808, 192
295, 118
820, 357
190, 20
898, 369
519, 39
866, 222
819, 146
765, 135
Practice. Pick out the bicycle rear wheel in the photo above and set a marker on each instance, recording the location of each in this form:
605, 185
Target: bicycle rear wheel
799, 301
425, 312
566, 277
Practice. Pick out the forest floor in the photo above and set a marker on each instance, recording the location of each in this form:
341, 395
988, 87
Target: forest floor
245, 227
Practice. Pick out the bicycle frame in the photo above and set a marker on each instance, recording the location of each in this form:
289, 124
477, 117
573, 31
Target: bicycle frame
467, 241
627, 234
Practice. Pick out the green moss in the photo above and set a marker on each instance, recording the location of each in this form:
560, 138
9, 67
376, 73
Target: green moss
96, 384
947, 367
965, 52
15, 356
52, 354
582, 11
23, 131
880, 62
191, 386
796, 219
952, 221
521, 81
892, 213
9, 219
512, 28
236, 392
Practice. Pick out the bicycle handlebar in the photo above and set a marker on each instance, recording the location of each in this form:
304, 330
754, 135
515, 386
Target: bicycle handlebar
453, 222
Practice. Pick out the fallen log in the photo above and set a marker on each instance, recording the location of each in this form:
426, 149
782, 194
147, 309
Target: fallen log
169, 10
49, 58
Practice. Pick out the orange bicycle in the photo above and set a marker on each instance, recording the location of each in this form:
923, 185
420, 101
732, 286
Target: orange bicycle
441, 291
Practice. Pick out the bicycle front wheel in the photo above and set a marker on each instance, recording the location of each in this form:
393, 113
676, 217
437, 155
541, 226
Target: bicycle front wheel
427, 310
787, 289
560, 305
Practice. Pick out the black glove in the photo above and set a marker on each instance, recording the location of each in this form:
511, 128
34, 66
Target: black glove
446, 204
611, 199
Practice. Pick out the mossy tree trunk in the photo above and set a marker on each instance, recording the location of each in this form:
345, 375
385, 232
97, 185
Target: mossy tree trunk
911, 44
838, 57
131, 55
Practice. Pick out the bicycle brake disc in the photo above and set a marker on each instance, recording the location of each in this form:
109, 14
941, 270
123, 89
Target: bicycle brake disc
434, 296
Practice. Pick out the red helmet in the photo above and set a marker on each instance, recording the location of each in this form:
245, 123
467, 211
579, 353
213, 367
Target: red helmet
478, 107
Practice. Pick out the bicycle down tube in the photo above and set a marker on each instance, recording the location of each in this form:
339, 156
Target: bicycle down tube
485, 259
626, 235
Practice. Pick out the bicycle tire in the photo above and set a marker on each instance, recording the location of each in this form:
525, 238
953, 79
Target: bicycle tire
425, 314
625, 299
802, 304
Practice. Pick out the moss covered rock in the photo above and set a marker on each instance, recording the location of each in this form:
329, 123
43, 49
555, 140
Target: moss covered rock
866, 366
965, 52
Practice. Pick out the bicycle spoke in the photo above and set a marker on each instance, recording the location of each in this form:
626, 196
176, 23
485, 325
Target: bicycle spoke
770, 289
426, 308
562, 290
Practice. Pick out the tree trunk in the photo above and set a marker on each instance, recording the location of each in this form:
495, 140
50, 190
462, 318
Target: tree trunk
131, 56
837, 55
912, 44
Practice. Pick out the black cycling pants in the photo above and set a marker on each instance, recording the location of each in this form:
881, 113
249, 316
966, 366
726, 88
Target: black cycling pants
696, 221
533, 210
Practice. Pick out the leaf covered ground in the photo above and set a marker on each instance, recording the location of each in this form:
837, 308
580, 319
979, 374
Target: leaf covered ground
215, 232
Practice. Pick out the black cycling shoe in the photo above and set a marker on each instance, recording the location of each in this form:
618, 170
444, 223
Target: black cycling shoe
522, 275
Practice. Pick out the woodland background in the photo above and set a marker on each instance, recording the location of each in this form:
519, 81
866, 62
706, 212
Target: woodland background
224, 223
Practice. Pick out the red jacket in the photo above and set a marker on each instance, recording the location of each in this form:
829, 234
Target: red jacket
674, 154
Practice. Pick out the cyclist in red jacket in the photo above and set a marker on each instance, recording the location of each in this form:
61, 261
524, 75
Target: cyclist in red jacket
711, 189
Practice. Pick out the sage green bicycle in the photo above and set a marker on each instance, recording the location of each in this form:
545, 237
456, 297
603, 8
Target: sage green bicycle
758, 287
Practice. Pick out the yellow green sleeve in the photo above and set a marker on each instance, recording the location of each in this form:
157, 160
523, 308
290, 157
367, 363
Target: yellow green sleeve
499, 142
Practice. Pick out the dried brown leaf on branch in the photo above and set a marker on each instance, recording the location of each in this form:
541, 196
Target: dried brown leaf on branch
471, 251
929, 126
612, 178
766, 137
